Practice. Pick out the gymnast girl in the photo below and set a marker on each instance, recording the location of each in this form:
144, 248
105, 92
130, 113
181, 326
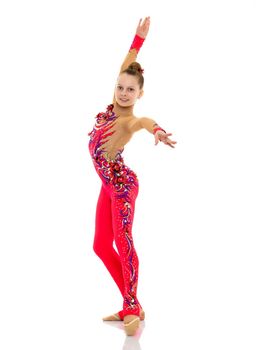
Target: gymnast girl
112, 130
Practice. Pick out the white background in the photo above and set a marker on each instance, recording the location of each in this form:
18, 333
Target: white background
198, 221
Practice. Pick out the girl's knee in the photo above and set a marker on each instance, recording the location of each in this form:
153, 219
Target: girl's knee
102, 248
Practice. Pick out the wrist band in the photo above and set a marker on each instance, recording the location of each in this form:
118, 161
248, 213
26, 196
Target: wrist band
158, 128
137, 42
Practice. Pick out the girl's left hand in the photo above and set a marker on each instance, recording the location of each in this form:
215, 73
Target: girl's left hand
163, 137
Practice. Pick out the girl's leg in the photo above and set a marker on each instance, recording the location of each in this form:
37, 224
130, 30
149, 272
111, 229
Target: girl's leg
103, 239
123, 205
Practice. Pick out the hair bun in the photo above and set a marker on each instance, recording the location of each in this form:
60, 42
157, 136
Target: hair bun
135, 66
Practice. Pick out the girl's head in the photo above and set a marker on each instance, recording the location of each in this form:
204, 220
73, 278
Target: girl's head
129, 85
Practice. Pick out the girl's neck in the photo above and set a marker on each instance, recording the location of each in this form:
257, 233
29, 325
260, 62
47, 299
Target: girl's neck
122, 111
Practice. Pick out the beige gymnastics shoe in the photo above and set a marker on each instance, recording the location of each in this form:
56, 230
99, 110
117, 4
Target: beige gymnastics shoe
131, 324
116, 317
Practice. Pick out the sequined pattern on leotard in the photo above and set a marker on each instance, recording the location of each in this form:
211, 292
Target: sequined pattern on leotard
113, 171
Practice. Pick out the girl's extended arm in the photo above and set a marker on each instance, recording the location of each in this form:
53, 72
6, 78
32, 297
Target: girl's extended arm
159, 133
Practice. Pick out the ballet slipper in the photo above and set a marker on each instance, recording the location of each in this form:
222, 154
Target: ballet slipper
114, 317
119, 316
131, 324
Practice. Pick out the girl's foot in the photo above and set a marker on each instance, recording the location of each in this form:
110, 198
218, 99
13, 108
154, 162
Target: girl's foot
131, 324
119, 316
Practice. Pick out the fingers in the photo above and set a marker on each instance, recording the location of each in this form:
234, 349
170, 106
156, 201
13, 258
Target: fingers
145, 21
169, 142
164, 138
166, 142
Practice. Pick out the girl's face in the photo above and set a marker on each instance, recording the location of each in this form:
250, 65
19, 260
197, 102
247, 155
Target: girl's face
127, 90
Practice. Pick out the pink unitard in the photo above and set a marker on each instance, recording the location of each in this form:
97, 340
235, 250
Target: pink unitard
114, 215
115, 207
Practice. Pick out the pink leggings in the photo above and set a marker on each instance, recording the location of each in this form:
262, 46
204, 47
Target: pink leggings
114, 219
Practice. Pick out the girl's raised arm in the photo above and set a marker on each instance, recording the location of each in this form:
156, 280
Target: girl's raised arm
141, 33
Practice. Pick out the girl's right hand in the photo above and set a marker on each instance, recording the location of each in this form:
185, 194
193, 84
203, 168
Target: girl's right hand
143, 28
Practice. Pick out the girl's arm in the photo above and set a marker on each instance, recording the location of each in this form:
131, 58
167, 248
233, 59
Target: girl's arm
133, 51
155, 129
141, 33
149, 124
